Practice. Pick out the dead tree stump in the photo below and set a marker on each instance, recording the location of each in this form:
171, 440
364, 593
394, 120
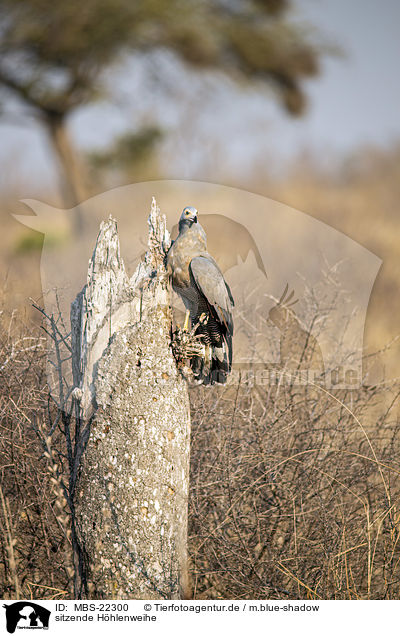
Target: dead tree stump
131, 493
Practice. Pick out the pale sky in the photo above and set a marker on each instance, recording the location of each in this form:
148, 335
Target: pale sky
357, 98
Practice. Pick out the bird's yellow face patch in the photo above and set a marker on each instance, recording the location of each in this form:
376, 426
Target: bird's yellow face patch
189, 214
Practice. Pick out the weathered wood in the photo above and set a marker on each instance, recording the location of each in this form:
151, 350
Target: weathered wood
132, 488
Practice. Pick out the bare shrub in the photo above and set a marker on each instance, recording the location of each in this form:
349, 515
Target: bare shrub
35, 549
294, 494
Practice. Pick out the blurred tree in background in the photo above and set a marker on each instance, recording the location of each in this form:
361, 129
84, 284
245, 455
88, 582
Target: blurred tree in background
53, 55
129, 153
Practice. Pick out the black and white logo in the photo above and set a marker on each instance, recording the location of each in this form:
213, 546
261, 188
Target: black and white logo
26, 615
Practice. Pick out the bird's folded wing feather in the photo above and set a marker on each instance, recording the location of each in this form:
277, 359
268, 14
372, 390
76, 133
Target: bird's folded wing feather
212, 285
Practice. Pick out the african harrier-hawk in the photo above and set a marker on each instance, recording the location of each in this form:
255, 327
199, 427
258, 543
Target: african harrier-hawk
198, 280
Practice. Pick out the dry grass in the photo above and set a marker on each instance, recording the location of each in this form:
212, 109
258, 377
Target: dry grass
35, 559
291, 497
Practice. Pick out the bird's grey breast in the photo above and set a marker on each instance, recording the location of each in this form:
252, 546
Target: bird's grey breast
190, 243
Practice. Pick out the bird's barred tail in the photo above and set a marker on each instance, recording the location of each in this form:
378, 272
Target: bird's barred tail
215, 367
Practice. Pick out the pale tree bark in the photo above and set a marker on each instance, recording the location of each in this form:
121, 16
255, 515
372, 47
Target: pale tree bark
131, 493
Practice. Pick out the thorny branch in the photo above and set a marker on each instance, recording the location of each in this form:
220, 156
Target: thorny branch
67, 418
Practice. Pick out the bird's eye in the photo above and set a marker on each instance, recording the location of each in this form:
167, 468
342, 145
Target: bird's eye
187, 212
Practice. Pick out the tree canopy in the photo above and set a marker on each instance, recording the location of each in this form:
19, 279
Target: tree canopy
53, 53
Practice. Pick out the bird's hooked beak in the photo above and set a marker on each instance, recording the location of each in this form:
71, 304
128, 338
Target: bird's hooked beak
189, 215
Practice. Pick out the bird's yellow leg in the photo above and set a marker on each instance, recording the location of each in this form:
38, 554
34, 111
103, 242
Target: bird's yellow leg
207, 356
186, 323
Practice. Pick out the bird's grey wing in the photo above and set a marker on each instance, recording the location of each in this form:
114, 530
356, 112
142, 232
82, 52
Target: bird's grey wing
211, 283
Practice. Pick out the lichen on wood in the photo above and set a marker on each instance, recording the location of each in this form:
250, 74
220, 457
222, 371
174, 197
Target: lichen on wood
132, 489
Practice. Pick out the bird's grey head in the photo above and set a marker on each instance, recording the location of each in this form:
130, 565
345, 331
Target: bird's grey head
188, 217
